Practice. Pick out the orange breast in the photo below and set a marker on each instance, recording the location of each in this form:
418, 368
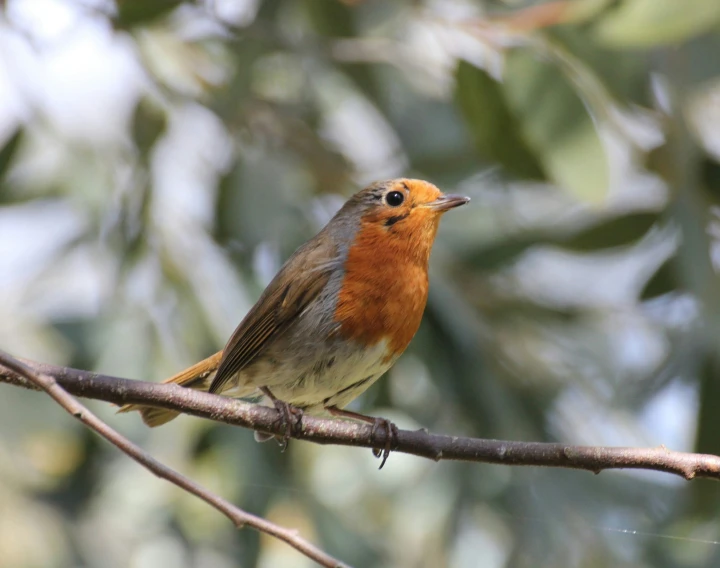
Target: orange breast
384, 291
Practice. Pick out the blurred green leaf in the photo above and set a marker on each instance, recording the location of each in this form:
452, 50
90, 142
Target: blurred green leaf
579, 11
148, 124
662, 282
501, 311
612, 233
622, 73
136, 12
495, 130
646, 23
333, 19
495, 255
330, 18
555, 122
710, 176
8, 152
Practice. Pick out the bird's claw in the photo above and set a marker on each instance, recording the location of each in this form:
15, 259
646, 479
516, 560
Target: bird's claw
290, 420
390, 438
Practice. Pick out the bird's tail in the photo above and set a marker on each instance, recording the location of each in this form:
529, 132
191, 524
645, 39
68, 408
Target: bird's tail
198, 377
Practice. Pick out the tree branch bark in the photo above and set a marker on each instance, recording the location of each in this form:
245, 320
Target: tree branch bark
341, 432
23, 373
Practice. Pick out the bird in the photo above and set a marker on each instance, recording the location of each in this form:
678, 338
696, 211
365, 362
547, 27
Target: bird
338, 314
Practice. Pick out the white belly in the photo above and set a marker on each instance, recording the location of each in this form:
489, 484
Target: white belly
333, 377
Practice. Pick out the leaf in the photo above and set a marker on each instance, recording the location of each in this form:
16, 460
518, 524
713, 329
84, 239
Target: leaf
612, 233
702, 111
556, 124
710, 177
621, 72
616, 232
662, 282
647, 23
495, 255
331, 19
337, 20
495, 130
8, 152
137, 12
148, 124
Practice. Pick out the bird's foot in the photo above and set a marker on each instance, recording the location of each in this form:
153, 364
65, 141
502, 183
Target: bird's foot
390, 431
390, 436
290, 418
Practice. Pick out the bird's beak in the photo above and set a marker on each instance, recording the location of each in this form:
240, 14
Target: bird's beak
445, 202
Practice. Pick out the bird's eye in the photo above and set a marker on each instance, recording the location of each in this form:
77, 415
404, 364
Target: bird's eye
394, 198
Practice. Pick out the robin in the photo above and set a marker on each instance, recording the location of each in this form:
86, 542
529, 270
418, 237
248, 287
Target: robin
339, 313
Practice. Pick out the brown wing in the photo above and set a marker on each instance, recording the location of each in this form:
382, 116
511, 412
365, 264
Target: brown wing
297, 284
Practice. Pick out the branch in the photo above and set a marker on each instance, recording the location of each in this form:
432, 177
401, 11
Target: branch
348, 433
239, 517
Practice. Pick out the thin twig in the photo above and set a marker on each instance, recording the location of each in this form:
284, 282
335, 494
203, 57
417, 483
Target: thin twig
239, 517
347, 433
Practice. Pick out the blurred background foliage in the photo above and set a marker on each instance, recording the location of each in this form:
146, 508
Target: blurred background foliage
160, 159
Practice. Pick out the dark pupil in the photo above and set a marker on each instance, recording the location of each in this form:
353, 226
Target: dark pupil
394, 198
